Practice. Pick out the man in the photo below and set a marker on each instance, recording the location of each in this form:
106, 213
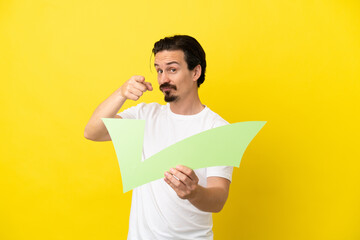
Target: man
180, 205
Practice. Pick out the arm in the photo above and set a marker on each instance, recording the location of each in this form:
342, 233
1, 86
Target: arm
132, 89
185, 183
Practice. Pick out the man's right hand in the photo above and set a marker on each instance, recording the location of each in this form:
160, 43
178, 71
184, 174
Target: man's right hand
132, 89
135, 87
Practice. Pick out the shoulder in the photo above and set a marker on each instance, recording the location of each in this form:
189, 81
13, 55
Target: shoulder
216, 119
150, 108
142, 110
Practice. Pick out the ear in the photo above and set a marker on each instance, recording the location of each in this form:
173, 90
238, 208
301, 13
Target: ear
196, 72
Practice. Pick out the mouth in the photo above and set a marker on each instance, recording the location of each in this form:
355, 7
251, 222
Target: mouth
166, 87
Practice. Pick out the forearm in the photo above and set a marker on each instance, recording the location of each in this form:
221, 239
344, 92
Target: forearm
95, 128
210, 199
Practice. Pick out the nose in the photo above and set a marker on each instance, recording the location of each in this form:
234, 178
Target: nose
164, 78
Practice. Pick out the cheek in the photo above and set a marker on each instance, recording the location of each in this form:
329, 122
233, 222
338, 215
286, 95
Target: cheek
173, 79
179, 78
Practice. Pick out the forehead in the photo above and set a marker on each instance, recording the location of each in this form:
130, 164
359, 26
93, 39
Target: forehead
166, 56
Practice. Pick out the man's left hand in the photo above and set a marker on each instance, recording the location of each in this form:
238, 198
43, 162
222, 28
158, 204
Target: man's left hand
183, 180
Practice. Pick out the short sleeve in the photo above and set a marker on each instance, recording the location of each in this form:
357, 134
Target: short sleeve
220, 171
132, 112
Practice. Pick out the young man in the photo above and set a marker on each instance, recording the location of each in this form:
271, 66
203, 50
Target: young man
180, 205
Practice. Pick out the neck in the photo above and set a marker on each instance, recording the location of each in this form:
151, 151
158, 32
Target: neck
188, 106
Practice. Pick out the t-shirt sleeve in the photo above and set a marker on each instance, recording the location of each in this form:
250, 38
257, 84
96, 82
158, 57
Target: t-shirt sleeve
220, 171
132, 112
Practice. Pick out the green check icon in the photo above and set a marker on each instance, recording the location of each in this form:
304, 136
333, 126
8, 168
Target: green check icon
221, 146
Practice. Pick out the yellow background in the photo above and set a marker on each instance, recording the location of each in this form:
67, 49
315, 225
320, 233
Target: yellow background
295, 64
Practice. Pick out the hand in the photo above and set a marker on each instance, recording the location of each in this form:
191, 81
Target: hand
183, 180
135, 87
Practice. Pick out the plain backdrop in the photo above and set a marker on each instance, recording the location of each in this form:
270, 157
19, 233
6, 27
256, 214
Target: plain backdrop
294, 64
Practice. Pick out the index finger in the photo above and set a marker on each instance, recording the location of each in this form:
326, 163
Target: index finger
148, 86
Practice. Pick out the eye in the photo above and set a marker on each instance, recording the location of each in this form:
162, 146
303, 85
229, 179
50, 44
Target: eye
159, 71
172, 70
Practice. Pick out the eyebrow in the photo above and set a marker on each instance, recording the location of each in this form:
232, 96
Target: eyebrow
169, 63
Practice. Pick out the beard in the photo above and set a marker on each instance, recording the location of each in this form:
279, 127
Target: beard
168, 97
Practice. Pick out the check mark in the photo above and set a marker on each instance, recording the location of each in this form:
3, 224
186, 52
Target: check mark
221, 146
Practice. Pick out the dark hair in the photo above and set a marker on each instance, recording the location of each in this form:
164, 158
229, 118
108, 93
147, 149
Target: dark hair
193, 52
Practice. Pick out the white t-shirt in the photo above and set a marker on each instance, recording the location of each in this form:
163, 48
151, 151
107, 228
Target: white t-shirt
156, 211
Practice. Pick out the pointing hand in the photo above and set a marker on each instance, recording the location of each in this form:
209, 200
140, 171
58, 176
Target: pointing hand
135, 87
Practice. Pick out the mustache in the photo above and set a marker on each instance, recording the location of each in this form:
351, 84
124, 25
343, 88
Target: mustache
167, 85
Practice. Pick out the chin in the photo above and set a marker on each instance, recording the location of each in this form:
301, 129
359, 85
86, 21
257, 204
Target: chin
170, 98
